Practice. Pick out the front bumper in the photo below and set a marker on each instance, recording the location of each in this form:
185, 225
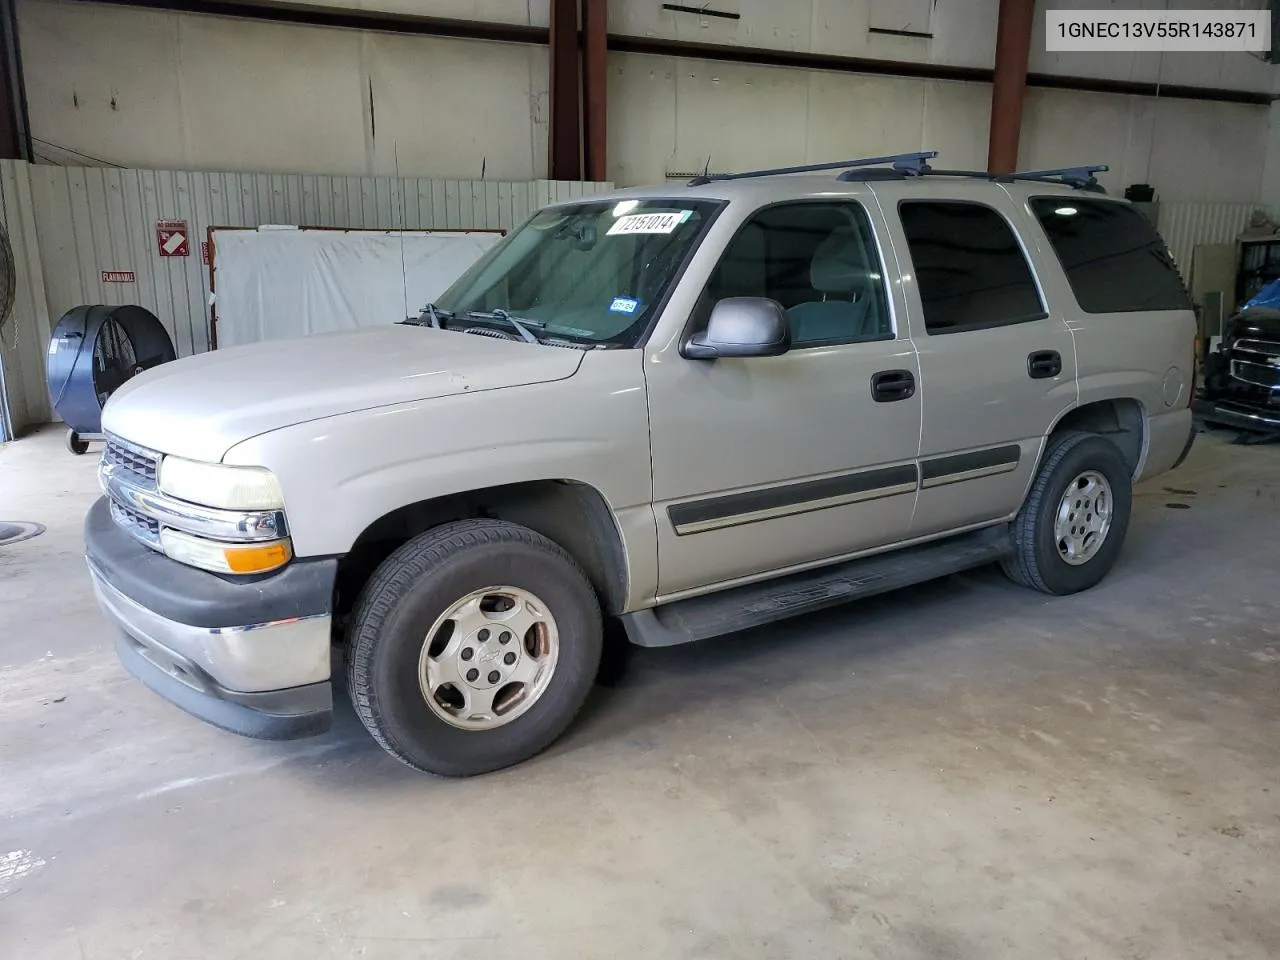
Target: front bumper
250, 656
1243, 416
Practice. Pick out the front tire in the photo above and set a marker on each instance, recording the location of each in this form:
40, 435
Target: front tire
473, 647
1072, 525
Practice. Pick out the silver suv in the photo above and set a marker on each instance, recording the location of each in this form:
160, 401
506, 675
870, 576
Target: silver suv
689, 410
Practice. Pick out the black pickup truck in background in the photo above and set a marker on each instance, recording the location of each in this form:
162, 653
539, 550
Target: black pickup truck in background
1242, 377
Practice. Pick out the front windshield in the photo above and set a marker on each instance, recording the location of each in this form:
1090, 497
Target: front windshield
590, 271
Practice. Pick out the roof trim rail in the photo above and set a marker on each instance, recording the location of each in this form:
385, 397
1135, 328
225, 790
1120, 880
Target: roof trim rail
910, 164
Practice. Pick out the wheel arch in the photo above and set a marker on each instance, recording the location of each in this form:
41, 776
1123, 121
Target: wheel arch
1122, 420
573, 514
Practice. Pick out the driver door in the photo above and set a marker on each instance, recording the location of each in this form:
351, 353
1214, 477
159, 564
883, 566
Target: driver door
766, 463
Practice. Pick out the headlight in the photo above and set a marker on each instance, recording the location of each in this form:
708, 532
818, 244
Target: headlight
225, 557
219, 485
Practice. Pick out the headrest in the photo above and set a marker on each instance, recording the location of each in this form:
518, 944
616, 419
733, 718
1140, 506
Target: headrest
838, 265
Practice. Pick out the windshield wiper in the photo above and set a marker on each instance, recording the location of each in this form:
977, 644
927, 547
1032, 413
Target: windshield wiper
518, 322
430, 316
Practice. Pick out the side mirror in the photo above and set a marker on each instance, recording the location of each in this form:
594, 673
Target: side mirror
742, 327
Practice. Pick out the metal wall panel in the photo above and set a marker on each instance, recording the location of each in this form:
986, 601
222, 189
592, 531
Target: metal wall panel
26, 334
1186, 225
89, 220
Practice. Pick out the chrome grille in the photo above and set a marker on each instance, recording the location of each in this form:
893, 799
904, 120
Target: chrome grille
1256, 362
1268, 348
140, 525
131, 460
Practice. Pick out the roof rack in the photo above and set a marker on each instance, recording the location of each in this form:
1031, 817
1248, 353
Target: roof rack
1079, 177
1073, 176
905, 165
908, 164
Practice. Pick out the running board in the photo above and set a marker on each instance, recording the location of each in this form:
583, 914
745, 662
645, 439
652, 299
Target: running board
741, 608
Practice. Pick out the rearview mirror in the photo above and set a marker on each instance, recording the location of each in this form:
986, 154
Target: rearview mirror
742, 327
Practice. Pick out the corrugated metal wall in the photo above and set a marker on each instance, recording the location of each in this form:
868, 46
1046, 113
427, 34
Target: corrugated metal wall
1185, 226
25, 335
89, 220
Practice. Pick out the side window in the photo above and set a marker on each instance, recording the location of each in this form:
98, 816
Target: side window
1114, 259
819, 260
969, 269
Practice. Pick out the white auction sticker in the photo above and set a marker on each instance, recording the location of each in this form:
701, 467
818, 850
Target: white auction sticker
1174, 30
648, 223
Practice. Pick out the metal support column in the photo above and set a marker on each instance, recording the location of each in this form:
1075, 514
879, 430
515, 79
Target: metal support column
595, 86
15, 136
565, 139
1013, 49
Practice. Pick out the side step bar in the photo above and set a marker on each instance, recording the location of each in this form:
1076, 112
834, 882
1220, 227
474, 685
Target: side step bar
741, 608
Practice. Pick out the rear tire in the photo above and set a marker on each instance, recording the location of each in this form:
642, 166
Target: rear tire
395, 632
1049, 555
76, 445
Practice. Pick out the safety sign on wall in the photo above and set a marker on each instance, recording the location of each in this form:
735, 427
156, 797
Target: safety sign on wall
171, 237
118, 276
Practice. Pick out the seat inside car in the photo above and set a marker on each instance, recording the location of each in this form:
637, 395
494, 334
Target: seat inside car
848, 308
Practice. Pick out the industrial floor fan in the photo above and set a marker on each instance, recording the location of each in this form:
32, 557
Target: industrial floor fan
95, 349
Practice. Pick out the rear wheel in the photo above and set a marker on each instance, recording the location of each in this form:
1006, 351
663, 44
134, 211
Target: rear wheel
472, 647
1071, 527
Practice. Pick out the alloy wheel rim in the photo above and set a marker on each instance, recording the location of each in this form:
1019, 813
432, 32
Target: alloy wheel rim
489, 658
1084, 518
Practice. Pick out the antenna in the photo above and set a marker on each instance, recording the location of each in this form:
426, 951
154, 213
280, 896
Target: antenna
404, 274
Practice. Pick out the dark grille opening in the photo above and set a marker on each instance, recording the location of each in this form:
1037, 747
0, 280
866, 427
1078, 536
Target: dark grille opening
132, 520
134, 463
1261, 374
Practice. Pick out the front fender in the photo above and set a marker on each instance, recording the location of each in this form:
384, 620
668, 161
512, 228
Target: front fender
342, 473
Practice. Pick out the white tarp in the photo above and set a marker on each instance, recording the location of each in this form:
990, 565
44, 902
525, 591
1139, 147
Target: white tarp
277, 282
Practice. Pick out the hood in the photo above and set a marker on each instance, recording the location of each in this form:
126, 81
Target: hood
1262, 323
201, 406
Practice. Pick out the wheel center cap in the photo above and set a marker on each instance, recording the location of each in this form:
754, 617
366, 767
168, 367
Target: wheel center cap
493, 656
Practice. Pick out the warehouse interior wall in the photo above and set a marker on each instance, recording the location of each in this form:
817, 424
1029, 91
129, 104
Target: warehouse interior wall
142, 88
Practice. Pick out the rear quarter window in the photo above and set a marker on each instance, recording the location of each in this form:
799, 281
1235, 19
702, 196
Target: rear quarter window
1112, 256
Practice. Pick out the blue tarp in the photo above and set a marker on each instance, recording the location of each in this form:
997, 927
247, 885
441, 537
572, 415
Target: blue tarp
1268, 296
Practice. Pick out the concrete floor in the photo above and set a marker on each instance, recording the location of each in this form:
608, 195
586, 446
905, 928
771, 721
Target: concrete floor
964, 770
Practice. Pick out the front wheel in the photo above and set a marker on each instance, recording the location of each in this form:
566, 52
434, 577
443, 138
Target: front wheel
473, 647
1069, 531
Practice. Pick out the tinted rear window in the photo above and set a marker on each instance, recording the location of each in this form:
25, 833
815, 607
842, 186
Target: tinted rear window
1114, 259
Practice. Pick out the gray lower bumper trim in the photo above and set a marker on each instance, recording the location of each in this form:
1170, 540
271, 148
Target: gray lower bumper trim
1238, 415
273, 715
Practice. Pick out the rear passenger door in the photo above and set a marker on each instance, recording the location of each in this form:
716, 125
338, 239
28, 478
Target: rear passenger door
997, 363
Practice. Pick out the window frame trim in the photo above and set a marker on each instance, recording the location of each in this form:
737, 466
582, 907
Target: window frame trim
691, 325
1044, 314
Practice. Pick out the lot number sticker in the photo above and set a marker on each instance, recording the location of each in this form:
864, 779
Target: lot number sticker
648, 223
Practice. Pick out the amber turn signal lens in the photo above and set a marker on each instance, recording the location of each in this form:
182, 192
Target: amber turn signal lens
258, 559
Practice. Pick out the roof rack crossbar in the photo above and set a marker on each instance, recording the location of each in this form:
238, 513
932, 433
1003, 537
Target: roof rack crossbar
908, 163
1075, 176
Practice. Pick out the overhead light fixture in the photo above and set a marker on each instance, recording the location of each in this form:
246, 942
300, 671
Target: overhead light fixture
1066, 211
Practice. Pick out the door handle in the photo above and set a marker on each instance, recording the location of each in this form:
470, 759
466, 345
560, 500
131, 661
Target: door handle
890, 385
1044, 364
